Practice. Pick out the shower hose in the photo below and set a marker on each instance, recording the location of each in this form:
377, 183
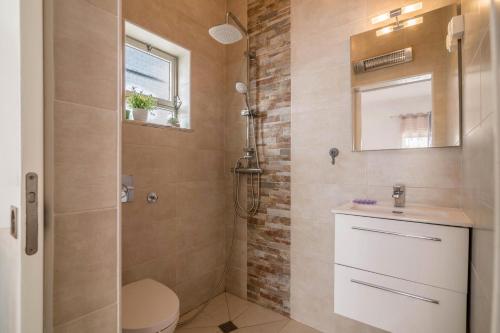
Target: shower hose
239, 211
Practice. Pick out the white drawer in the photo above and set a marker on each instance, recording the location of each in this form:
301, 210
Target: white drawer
430, 254
396, 305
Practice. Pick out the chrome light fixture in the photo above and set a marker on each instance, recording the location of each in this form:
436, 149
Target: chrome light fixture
399, 25
397, 12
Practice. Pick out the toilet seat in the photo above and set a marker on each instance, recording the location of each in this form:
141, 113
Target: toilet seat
148, 307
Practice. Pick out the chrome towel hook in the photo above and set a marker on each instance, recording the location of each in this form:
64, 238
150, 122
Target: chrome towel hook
334, 152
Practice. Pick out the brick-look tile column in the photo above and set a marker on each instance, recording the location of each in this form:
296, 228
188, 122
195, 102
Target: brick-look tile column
269, 231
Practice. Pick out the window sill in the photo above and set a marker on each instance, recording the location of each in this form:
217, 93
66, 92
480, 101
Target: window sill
142, 123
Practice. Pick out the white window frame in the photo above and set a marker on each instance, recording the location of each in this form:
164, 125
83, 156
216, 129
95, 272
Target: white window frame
145, 47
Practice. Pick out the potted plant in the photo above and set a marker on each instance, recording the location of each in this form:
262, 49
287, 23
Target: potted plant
141, 104
174, 121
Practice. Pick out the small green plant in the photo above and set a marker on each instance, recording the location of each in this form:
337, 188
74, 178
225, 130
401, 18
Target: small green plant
174, 120
138, 100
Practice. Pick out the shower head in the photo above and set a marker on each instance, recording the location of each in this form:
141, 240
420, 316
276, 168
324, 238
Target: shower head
227, 33
241, 87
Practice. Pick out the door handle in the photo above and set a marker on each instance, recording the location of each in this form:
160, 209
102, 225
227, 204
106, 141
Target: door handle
31, 213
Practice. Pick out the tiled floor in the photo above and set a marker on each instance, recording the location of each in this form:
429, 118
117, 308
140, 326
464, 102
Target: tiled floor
248, 317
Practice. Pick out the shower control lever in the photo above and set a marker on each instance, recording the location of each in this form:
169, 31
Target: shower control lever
247, 113
127, 191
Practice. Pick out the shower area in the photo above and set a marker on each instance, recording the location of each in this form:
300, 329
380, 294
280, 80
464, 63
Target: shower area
200, 217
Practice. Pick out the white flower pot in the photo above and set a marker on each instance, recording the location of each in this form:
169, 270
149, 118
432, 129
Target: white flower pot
141, 114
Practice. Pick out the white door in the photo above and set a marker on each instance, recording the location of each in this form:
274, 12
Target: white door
21, 158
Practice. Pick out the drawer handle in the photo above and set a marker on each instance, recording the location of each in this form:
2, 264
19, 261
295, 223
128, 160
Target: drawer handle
394, 291
435, 239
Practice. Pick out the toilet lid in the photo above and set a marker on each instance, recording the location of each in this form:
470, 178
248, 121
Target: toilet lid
148, 305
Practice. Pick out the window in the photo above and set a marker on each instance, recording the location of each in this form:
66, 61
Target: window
158, 67
152, 72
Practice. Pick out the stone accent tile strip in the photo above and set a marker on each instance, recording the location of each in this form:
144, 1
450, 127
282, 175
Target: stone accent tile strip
269, 231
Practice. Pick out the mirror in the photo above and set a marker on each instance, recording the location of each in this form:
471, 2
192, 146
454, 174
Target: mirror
405, 84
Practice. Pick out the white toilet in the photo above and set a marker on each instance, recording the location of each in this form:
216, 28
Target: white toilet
149, 307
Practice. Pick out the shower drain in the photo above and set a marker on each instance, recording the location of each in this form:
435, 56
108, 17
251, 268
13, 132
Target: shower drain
228, 327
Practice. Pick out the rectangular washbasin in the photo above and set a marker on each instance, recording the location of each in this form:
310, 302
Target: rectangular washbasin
414, 213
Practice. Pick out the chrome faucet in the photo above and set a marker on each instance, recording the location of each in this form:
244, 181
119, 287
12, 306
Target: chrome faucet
398, 193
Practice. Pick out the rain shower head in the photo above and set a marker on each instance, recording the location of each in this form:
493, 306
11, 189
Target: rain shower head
227, 33
241, 87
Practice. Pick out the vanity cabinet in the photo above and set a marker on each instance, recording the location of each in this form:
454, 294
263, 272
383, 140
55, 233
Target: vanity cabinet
402, 276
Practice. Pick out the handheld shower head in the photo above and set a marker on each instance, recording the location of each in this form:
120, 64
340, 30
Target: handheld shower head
241, 88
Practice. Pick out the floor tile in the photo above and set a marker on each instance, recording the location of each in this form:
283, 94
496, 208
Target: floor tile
247, 316
214, 314
217, 306
236, 305
198, 330
295, 327
257, 315
274, 327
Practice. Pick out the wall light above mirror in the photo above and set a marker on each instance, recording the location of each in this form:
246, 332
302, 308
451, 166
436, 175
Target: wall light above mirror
397, 12
405, 83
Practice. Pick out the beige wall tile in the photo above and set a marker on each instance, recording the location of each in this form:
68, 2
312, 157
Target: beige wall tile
85, 157
85, 54
162, 270
200, 199
478, 191
145, 135
196, 263
85, 263
180, 240
150, 165
104, 320
315, 238
194, 233
480, 307
321, 119
236, 282
110, 6
148, 239
200, 289
140, 210
81, 141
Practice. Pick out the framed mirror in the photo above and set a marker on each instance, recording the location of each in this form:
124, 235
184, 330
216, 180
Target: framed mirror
406, 84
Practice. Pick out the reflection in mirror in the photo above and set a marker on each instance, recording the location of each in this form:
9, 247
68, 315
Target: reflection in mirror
406, 84
396, 114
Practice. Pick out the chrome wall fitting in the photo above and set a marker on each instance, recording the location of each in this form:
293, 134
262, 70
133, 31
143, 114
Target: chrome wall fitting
152, 197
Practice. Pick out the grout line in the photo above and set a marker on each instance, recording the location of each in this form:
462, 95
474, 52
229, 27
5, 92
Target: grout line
88, 314
95, 108
268, 323
86, 211
227, 306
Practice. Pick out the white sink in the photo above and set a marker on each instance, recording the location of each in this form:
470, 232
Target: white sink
414, 213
